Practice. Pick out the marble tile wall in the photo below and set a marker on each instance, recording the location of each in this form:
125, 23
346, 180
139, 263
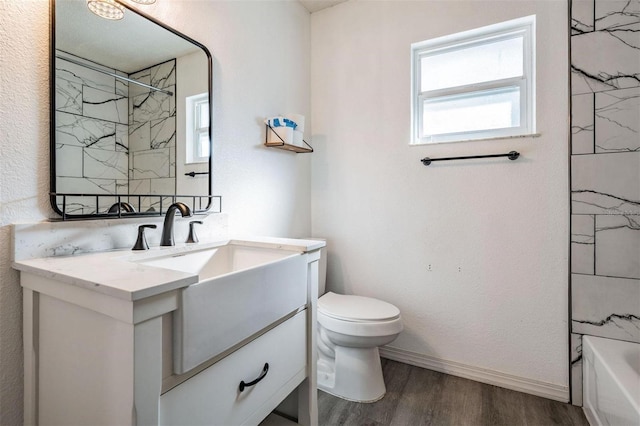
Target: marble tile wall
152, 135
92, 137
605, 174
576, 369
112, 137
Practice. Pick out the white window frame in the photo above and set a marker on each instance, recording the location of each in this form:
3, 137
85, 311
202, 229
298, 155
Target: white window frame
194, 129
521, 27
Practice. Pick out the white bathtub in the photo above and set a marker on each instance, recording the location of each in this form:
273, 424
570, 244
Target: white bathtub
611, 381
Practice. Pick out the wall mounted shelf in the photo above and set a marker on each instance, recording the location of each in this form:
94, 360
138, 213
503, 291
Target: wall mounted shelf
281, 144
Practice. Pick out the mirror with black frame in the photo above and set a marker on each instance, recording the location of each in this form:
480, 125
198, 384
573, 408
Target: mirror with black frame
130, 115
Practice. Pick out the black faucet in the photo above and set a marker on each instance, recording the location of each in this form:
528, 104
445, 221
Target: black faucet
167, 229
122, 206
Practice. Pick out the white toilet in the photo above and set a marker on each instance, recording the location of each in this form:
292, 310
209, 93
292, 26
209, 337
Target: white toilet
350, 329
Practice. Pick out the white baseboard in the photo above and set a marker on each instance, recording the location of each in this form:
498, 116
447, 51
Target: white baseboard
521, 384
591, 416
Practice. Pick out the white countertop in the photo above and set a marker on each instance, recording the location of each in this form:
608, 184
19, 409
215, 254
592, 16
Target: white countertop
118, 274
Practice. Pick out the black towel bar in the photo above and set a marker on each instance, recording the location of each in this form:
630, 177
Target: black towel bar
512, 156
193, 174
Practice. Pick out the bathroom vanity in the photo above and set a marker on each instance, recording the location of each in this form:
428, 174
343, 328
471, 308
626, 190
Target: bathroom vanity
218, 333
214, 333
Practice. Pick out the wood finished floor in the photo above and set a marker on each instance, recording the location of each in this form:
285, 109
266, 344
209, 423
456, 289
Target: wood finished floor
417, 396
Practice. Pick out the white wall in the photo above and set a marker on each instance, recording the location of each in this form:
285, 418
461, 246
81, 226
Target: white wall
24, 169
261, 68
261, 65
473, 253
191, 80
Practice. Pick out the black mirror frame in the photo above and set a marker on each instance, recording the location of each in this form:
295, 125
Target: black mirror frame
52, 124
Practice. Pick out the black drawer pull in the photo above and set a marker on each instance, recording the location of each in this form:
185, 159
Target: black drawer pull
265, 370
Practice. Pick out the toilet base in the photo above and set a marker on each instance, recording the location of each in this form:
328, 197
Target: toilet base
355, 374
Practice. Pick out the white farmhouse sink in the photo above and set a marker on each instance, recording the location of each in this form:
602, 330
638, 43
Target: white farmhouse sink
212, 262
241, 290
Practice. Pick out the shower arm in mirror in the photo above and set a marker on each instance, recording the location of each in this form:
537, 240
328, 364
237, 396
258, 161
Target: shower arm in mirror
75, 197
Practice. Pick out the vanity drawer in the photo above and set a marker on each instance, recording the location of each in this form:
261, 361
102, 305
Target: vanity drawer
212, 397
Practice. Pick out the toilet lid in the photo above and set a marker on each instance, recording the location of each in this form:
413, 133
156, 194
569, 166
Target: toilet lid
356, 308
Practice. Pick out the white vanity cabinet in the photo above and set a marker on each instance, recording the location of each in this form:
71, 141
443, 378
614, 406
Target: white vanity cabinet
213, 396
101, 354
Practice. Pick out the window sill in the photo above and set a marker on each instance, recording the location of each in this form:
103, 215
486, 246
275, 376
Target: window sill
529, 135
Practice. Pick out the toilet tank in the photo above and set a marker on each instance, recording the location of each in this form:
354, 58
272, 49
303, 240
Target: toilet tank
322, 267
322, 271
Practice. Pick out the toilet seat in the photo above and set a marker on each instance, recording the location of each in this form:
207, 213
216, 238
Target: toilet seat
356, 308
358, 316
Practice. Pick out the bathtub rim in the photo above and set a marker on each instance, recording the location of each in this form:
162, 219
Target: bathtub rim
611, 355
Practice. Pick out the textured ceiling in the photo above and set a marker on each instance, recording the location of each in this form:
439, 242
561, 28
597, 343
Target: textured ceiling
316, 5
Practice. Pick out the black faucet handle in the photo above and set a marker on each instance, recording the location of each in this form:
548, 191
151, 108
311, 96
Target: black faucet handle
193, 238
141, 243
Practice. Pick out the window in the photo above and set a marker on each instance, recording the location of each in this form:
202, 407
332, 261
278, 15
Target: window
198, 146
475, 85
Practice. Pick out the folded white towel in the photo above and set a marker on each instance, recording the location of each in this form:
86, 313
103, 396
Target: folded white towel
298, 119
280, 121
